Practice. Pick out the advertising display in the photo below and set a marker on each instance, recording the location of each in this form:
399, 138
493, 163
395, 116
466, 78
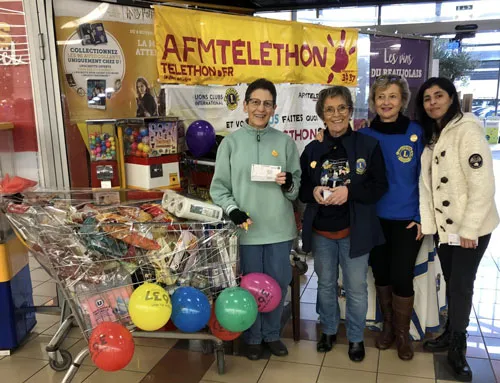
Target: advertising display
197, 47
222, 106
405, 57
107, 60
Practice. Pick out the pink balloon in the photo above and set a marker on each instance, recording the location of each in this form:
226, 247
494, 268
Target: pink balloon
264, 289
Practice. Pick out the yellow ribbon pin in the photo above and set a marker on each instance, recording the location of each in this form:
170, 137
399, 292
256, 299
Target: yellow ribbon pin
313, 164
274, 153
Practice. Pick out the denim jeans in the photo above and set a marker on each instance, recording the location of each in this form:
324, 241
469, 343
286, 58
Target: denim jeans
328, 254
274, 260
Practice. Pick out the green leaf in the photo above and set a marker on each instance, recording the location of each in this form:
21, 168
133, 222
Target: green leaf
453, 64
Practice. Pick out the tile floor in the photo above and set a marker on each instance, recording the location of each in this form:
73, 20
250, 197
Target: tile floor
169, 361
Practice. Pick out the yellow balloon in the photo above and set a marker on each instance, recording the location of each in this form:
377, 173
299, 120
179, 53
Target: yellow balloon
150, 307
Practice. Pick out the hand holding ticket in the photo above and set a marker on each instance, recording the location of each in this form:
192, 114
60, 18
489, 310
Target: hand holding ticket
455, 240
264, 173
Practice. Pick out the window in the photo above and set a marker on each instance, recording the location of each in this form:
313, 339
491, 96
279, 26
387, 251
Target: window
340, 17
284, 15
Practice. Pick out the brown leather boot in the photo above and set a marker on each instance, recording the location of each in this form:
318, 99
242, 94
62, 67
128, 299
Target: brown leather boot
403, 308
386, 337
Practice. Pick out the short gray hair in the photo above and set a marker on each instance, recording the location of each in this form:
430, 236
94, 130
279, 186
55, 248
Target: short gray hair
383, 82
334, 91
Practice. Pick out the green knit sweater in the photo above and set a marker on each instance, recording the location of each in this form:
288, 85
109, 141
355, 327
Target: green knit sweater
269, 207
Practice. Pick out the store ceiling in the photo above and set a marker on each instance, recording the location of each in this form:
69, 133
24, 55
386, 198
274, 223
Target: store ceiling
269, 5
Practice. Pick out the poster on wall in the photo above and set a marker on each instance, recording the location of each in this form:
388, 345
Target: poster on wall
107, 60
405, 57
222, 106
197, 47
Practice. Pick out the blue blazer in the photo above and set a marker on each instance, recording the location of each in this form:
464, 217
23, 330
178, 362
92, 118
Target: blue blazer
368, 184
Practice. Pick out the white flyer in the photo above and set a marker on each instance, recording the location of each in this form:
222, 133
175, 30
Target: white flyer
264, 173
454, 240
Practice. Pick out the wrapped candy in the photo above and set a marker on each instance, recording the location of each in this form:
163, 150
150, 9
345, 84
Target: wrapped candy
135, 214
121, 228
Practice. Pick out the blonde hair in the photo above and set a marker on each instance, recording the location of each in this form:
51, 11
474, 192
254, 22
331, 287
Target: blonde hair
383, 82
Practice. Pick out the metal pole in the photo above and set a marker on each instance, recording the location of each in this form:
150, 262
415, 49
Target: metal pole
498, 89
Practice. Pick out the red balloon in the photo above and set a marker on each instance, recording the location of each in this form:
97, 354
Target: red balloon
170, 326
111, 346
219, 331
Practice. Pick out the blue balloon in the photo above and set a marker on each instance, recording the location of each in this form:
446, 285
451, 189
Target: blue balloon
190, 309
200, 137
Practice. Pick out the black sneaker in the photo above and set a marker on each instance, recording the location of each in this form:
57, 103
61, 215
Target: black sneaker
326, 342
254, 351
277, 348
356, 351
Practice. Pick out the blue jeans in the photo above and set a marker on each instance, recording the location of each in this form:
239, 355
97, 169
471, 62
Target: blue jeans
328, 254
274, 260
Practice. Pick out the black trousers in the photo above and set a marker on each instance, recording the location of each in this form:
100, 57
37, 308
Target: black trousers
393, 263
459, 270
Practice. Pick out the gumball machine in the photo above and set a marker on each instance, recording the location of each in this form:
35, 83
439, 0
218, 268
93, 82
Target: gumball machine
102, 145
151, 152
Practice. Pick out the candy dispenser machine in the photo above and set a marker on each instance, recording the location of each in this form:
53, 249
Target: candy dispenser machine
151, 148
103, 150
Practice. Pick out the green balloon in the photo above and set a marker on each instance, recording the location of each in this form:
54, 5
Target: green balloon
236, 309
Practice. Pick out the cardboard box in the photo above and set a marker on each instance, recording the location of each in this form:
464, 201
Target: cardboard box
152, 173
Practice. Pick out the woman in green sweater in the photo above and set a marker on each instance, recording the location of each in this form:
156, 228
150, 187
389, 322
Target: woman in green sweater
263, 208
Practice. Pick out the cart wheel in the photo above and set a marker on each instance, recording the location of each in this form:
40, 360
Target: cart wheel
207, 347
301, 266
220, 362
64, 364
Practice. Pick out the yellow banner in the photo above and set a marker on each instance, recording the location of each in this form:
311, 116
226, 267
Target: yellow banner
195, 47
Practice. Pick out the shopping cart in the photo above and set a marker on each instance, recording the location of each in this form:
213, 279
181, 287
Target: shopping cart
98, 255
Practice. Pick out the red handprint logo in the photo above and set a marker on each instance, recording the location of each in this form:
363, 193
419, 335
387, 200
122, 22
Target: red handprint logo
341, 56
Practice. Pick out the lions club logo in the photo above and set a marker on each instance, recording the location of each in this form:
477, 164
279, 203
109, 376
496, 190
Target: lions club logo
231, 98
360, 166
405, 153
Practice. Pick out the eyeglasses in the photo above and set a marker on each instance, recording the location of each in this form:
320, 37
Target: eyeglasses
341, 109
388, 77
255, 103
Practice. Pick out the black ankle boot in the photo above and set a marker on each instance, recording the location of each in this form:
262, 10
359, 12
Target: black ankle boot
326, 342
356, 351
456, 357
441, 343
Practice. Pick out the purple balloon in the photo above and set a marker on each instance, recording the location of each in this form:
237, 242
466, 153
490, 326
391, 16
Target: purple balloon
265, 290
200, 138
